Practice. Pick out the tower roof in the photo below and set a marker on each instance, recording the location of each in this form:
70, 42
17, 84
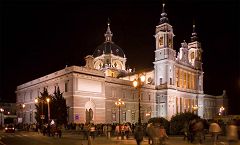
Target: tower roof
194, 34
108, 35
163, 18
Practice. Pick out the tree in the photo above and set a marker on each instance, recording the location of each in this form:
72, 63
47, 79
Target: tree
179, 120
41, 107
59, 107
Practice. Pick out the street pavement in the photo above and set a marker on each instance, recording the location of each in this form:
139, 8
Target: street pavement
74, 138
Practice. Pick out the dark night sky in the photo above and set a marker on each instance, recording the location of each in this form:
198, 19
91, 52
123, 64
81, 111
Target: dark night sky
40, 37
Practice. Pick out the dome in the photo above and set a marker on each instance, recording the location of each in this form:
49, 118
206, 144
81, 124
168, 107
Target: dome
108, 48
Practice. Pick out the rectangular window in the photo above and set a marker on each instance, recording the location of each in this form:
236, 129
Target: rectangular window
176, 105
158, 100
31, 116
133, 116
149, 97
177, 77
185, 80
66, 86
124, 116
113, 116
171, 81
160, 81
31, 95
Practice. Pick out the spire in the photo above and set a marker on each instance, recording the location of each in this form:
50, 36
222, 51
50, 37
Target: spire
194, 34
184, 44
108, 34
163, 18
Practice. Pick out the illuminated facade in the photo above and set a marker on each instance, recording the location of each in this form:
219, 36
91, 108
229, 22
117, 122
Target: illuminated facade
174, 85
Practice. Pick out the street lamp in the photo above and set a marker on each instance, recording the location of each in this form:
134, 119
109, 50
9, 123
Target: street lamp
42, 102
195, 108
2, 110
221, 109
119, 103
23, 118
48, 100
138, 83
41, 116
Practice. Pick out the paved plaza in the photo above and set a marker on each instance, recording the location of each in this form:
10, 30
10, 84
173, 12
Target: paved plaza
172, 140
75, 138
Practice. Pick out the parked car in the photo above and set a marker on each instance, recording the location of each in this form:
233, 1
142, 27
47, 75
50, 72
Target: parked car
10, 128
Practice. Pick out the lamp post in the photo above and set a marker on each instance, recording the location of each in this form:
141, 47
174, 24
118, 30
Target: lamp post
221, 109
23, 118
48, 100
138, 83
119, 103
23, 106
2, 110
195, 108
42, 102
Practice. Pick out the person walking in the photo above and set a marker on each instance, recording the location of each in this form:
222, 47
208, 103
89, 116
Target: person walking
117, 131
162, 135
232, 133
149, 131
92, 131
109, 130
138, 134
215, 130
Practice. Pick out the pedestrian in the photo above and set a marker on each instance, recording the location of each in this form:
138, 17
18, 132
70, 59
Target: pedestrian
138, 134
163, 135
122, 129
117, 131
127, 130
198, 129
185, 131
105, 129
59, 132
232, 133
215, 130
109, 130
149, 132
92, 131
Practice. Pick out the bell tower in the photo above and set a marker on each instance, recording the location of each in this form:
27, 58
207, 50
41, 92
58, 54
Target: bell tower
164, 39
195, 51
165, 55
195, 58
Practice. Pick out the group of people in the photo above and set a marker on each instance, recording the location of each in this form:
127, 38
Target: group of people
156, 133
195, 130
123, 130
49, 129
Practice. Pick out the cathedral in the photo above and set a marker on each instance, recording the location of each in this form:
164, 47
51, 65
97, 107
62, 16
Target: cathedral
172, 86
